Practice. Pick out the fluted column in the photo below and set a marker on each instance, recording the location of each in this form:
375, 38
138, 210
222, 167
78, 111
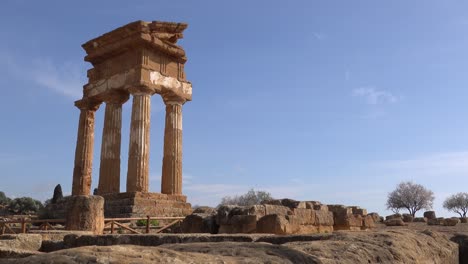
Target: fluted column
171, 182
84, 148
109, 171
138, 152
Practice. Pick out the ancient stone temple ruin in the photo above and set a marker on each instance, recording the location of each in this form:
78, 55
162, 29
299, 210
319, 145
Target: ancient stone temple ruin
137, 60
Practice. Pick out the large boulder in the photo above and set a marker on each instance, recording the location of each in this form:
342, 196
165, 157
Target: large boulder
430, 215
86, 213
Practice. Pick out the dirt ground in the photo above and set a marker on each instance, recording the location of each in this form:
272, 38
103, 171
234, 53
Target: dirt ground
460, 228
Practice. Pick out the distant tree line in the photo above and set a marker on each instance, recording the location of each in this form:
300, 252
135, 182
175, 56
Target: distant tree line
21, 205
252, 197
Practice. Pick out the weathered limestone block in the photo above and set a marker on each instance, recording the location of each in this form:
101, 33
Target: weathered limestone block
393, 216
375, 217
344, 219
304, 216
321, 207
358, 210
395, 222
367, 222
243, 224
436, 221
277, 209
205, 210
407, 218
273, 224
200, 223
451, 221
258, 210
86, 213
430, 215
463, 220
420, 220
324, 218
290, 203
30, 242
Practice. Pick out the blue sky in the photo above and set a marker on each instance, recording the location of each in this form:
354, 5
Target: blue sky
336, 101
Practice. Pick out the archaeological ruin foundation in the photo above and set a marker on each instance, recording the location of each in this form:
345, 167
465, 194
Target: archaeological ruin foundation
135, 61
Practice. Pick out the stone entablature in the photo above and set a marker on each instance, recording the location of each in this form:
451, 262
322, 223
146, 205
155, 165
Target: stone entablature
135, 61
138, 54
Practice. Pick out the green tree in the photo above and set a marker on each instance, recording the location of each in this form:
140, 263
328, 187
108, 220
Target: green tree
252, 197
4, 200
25, 205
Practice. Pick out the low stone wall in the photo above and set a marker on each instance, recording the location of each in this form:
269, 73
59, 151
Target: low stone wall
282, 216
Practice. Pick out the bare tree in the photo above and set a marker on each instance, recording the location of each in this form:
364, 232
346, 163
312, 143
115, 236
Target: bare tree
410, 196
457, 203
250, 198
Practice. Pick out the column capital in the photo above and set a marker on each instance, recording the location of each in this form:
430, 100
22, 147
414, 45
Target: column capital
87, 104
141, 90
173, 100
116, 98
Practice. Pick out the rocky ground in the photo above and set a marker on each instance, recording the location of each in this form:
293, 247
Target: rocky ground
381, 245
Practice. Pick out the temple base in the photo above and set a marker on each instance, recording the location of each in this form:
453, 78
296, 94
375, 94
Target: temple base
138, 204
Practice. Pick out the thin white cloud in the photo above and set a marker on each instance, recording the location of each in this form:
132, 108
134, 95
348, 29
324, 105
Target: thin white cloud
374, 96
64, 78
436, 164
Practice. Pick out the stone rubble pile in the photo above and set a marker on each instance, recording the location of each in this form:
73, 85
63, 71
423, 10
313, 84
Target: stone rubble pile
282, 216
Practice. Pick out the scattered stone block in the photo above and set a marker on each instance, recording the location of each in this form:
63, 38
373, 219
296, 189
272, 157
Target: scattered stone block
451, 221
407, 218
430, 215
420, 220
393, 216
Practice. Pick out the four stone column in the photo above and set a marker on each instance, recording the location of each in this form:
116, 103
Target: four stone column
109, 171
84, 148
171, 182
138, 152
